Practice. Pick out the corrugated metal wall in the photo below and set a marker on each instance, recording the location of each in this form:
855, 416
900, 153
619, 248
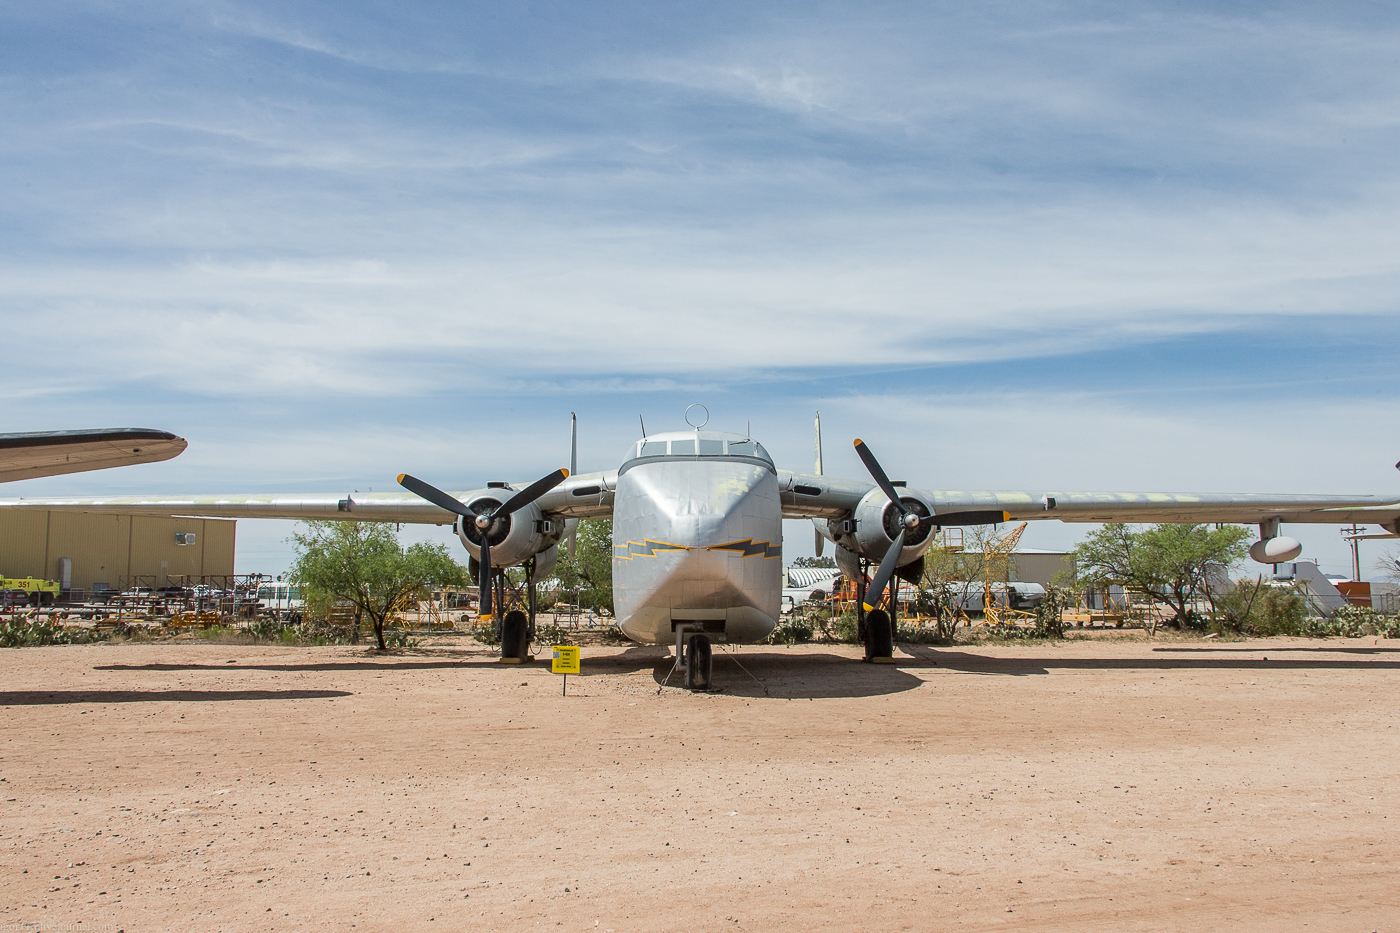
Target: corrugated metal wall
106, 548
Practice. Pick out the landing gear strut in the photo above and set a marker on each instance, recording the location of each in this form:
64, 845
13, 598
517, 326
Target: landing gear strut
696, 658
516, 628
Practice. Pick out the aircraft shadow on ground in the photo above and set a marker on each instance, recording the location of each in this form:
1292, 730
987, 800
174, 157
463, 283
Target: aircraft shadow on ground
780, 676
1265, 660
769, 674
61, 697
1272, 649
411, 659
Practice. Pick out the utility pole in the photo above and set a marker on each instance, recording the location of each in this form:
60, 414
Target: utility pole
1355, 543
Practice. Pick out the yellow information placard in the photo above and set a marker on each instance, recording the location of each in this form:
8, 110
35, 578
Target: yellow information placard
566, 660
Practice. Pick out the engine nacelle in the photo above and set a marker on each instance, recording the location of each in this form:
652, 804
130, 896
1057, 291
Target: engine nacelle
515, 538
1279, 550
875, 523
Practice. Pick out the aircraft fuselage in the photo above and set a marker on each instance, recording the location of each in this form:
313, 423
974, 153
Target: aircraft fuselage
697, 539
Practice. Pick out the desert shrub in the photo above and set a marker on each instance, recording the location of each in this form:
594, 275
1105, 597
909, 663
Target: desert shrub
399, 638
1351, 622
553, 635
1279, 610
23, 631
266, 629
923, 635
1050, 614
612, 635
845, 628
792, 630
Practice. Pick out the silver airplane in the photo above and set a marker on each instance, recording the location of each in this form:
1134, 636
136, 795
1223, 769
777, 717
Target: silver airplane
697, 531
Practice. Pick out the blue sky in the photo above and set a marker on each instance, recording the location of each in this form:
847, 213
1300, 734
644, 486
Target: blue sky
1086, 246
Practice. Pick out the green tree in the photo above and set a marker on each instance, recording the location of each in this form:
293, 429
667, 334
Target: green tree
818, 563
1168, 562
589, 572
362, 563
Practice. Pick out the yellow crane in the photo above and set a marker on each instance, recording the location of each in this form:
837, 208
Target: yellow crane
996, 569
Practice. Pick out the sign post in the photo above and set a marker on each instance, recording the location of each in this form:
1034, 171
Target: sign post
566, 662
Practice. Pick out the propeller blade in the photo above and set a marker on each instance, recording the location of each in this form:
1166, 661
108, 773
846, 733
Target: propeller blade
484, 584
434, 495
532, 492
876, 589
945, 519
878, 473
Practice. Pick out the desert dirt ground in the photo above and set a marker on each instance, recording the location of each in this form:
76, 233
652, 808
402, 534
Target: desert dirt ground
1088, 785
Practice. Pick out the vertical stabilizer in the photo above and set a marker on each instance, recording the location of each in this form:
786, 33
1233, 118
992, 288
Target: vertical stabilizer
573, 470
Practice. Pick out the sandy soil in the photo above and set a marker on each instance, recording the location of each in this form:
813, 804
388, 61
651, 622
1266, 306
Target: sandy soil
1082, 786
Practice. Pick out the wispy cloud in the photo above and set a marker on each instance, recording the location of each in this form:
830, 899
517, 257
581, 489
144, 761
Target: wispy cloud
290, 230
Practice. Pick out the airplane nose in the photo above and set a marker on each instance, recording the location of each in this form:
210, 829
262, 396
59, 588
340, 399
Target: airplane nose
697, 543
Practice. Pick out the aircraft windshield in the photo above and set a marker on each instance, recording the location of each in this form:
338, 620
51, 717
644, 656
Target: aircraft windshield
700, 447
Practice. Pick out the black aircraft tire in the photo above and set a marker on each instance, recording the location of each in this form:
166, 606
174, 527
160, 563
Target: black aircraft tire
515, 641
700, 663
879, 635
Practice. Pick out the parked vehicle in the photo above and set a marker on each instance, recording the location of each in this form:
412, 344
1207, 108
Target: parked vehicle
10, 598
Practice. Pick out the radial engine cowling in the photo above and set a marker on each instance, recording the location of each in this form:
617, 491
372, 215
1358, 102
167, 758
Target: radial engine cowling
1275, 550
877, 524
515, 538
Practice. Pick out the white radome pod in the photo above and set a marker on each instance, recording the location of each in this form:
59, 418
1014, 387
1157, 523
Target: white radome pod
1275, 550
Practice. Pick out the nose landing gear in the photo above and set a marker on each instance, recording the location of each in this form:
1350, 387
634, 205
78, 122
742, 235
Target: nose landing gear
699, 663
696, 658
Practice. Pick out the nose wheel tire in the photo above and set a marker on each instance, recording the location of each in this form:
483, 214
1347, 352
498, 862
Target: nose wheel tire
515, 637
700, 663
879, 637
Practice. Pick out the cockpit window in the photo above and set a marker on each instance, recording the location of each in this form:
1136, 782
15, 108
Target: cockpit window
690, 447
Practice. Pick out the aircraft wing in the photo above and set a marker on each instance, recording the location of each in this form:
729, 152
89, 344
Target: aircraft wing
811, 496
1243, 508
587, 495
51, 453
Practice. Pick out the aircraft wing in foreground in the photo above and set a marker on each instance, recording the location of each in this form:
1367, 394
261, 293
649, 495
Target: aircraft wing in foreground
53, 453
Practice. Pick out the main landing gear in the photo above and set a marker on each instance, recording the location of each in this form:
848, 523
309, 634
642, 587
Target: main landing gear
876, 627
516, 628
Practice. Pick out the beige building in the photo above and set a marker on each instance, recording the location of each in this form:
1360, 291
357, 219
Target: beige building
118, 550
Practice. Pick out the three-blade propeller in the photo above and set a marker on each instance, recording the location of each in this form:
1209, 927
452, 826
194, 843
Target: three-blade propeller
908, 521
485, 521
